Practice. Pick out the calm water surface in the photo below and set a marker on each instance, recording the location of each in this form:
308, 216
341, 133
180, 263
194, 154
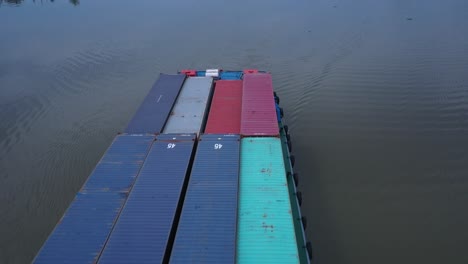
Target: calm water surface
375, 93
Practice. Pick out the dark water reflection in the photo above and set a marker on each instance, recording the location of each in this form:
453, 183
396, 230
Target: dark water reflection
375, 93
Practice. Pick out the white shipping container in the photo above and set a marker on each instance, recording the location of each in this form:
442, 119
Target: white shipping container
190, 110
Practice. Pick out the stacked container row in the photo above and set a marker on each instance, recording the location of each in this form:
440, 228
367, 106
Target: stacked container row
102, 225
204, 232
146, 228
82, 232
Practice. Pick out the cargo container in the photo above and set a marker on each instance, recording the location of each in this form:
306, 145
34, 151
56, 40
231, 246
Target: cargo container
144, 203
146, 226
207, 226
265, 232
258, 107
83, 230
225, 111
160, 100
231, 75
190, 110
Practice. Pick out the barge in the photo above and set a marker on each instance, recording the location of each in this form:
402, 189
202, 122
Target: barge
203, 173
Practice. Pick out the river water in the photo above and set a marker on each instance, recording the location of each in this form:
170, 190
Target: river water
375, 94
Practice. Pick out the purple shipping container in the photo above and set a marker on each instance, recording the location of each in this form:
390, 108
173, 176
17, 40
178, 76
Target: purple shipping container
258, 106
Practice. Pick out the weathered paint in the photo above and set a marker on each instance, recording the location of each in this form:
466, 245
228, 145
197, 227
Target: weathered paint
258, 107
225, 110
145, 229
80, 235
265, 232
190, 110
154, 111
207, 226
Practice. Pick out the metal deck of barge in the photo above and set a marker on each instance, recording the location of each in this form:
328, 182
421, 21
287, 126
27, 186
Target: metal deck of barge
203, 173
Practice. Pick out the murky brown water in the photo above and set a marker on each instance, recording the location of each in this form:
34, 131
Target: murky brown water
375, 93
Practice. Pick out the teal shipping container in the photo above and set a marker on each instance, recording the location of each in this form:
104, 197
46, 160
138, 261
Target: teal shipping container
265, 232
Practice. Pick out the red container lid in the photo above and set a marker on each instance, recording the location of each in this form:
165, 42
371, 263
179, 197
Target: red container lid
258, 106
247, 71
225, 111
189, 72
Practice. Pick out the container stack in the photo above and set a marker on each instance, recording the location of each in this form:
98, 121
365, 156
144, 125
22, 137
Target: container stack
202, 174
265, 226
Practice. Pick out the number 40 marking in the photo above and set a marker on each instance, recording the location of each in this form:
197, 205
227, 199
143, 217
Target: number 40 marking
170, 145
218, 146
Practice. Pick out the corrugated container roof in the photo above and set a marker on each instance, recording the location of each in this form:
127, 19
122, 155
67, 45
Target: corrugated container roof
231, 75
207, 226
225, 110
83, 230
265, 232
258, 106
146, 226
154, 111
190, 109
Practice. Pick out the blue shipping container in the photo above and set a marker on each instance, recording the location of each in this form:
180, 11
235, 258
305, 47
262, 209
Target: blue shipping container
83, 230
154, 111
145, 229
231, 75
207, 227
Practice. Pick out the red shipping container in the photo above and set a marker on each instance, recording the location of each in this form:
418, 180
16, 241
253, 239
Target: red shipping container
225, 111
258, 106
